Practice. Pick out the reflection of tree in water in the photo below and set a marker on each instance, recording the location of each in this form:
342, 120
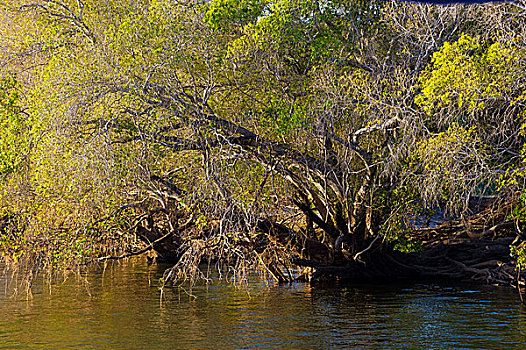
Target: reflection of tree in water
123, 309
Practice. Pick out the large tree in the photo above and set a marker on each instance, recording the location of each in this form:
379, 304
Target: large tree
256, 133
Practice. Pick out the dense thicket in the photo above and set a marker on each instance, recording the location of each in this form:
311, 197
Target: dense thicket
255, 133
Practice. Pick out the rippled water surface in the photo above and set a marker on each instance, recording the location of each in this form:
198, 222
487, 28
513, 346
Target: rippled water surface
121, 308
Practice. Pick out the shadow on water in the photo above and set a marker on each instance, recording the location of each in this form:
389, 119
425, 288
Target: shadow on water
123, 310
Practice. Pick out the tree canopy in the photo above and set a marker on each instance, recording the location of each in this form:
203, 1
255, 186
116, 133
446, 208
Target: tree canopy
255, 133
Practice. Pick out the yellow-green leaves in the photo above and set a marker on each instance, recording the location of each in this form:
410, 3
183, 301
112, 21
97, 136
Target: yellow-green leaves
468, 74
14, 127
451, 165
232, 14
301, 33
439, 152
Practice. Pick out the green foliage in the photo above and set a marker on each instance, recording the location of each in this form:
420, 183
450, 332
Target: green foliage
151, 102
55, 185
518, 214
519, 253
57, 249
450, 165
406, 217
518, 211
471, 88
305, 33
438, 154
282, 119
14, 127
468, 74
231, 14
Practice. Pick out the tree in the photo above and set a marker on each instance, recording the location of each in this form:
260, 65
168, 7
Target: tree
265, 134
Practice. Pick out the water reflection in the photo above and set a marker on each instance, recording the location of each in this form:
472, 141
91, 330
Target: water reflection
123, 310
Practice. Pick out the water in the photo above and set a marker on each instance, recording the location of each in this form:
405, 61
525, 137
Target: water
121, 308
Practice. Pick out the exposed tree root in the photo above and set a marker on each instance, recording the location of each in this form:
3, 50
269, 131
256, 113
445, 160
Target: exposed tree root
450, 252
484, 261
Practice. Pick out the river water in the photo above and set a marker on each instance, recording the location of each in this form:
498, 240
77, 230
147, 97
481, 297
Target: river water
121, 307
